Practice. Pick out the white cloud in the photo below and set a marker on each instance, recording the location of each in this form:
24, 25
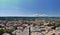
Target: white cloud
40, 15
30, 15
35, 15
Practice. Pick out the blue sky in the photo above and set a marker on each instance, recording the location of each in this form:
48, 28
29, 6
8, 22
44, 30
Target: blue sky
30, 8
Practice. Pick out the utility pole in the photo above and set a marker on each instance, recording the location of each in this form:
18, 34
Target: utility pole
29, 31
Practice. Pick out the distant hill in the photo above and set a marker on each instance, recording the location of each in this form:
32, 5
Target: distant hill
27, 18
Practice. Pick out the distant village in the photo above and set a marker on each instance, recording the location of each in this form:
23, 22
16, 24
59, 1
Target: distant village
25, 27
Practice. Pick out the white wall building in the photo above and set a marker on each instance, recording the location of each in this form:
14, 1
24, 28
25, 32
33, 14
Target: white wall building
5, 34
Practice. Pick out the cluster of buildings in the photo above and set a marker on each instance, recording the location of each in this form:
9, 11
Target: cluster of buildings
25, 27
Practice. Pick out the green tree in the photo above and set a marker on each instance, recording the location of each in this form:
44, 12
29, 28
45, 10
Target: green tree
9, 31
2, 31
